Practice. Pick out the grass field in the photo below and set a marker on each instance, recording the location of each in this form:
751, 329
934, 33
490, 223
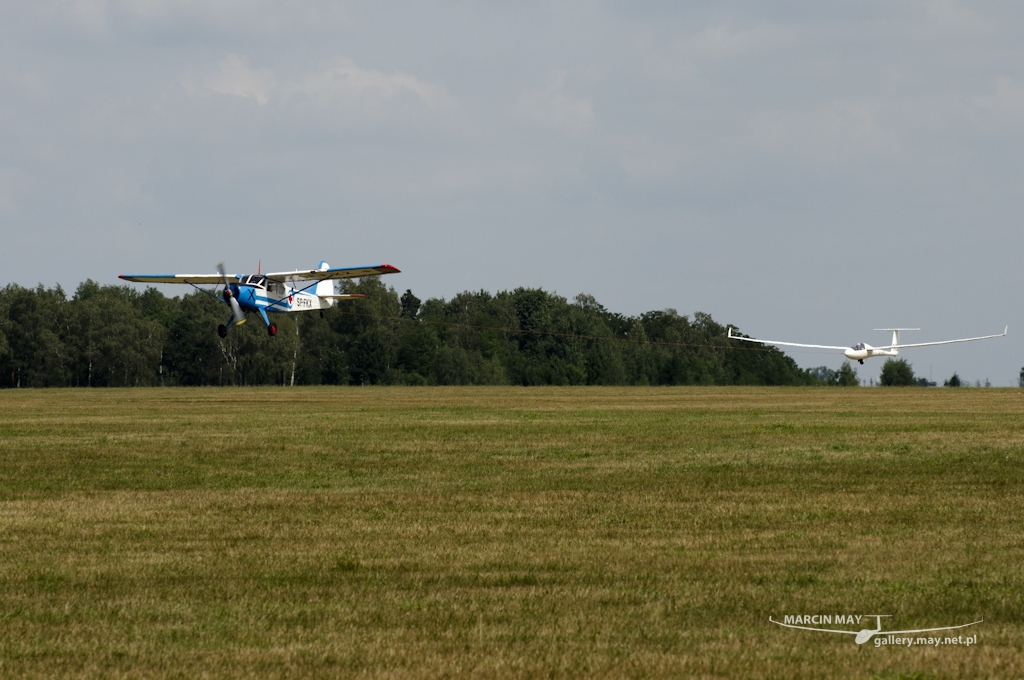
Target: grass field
505, 532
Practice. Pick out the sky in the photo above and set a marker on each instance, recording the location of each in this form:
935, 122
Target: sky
805, 171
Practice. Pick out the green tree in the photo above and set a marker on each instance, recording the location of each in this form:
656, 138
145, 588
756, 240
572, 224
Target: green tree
952, 382
369, 332
846, 376
193, 353
410, 305
897, 373
112, 340
37, 327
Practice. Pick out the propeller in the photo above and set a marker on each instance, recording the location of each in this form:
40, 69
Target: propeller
237, 316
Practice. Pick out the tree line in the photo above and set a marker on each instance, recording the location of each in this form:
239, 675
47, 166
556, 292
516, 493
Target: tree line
117, 336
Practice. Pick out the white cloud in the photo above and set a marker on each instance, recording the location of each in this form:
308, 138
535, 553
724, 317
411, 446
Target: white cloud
648, 163
11, 182
91, 15
233, 15
234, 77
345, 86
340, 88
950, 16
722, 41
30, 84
555, 109
456, 179
839, 129
1004, 105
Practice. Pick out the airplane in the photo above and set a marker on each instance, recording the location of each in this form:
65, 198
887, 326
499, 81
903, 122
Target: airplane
277, 292
862, 350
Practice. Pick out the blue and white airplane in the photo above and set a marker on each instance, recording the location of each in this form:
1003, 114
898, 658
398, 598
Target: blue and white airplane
277, 292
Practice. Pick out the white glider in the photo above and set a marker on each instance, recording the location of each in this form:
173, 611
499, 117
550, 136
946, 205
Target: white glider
862, 350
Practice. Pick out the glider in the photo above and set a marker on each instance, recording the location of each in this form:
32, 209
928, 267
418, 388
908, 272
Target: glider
862, 350
296, 291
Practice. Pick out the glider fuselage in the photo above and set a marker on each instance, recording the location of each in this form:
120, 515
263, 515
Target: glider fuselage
862, 351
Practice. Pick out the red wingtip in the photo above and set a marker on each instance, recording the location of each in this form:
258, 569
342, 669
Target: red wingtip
392, 267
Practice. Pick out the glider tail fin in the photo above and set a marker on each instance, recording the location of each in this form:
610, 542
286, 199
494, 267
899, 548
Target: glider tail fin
896, 335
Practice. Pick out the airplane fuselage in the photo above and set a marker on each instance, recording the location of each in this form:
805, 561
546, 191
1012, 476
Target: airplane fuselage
862, 351
254, 294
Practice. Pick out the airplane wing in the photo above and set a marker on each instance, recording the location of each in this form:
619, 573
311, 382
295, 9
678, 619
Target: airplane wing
336, 273
197, 279
787, 344
947, 342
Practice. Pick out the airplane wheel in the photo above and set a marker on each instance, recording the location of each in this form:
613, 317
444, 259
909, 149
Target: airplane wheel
321, 315
272, 329
222, 331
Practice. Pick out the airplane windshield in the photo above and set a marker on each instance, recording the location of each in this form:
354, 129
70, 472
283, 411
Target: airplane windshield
859, 345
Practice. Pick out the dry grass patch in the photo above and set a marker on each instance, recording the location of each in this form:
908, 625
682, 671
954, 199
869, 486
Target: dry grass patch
505, 532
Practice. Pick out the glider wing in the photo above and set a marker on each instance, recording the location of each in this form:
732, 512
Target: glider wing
787, 344
947, 342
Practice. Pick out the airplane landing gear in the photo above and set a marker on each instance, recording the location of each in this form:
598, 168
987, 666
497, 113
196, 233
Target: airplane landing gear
860, 361
321, 314
222, 331
272, 329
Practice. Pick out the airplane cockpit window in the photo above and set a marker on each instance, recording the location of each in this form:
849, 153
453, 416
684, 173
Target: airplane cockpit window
255, 280
859, 346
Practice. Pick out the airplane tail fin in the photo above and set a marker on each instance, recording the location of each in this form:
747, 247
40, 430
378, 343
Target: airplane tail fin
325, 289
896, 335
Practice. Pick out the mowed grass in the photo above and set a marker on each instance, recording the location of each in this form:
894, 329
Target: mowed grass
505, 532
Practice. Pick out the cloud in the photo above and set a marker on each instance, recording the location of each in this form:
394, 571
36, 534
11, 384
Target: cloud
340, 87
344, 85
91, 15
30, 84
839, 129
554, 109
232, 15
1003, 106
722, 41
235, 78
950, 17
12, 181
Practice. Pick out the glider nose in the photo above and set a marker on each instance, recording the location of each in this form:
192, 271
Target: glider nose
858, 352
